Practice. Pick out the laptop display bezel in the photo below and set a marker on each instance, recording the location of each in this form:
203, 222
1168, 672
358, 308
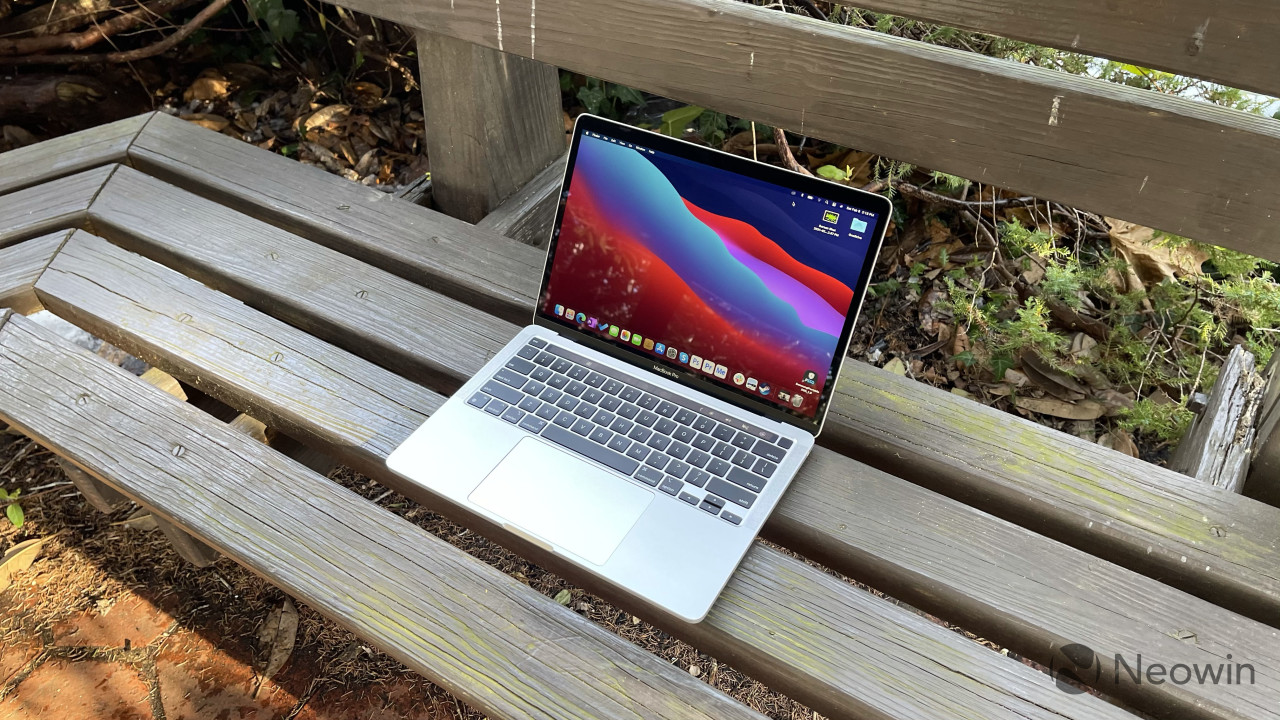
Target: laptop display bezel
638, 357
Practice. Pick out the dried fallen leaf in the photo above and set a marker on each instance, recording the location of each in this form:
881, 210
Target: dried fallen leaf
276, 638
324, 116
1081, 410
216, 123
563, 597
1051, 379
1152, 259
1120, 441
896, 366
207, 88
18, 558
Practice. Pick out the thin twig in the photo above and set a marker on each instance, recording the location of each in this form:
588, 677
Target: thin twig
784, 151
92, 36
152, 50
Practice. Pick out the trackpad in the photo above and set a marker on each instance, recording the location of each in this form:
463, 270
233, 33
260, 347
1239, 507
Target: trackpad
557, 497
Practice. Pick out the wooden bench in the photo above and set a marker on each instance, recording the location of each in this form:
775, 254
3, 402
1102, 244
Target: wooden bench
342, 316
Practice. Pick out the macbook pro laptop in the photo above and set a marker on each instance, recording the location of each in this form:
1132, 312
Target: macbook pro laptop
694, 313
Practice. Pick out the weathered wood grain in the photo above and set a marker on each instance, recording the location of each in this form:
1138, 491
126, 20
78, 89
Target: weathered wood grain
427, 247
1217, 445
1227, 42
495, 122
935, 553
248, 258
1092, 144
528, 215
1264, 474
54, 205
20, 265
58, 157
481, 635
101, 496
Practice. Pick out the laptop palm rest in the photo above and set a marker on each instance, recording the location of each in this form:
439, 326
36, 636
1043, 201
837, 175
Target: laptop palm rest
543, 491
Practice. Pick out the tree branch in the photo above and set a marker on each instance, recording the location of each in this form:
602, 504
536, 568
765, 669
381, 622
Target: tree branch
92, 36
784, 152
213, 8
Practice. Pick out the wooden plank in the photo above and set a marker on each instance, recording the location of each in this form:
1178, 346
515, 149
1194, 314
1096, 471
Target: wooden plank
938, 554
1264, 475
1085, 142
1217, 446
495, 644
55, 205
20, 265
528, 215
495, 122
429, 248
1227, 42
247, 257
61, 156
101, 496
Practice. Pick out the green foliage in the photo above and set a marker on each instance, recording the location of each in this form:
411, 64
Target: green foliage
605, 99
831, 172
713, 127
13, 510
677, 120
1165, 421
951, 183
280, 22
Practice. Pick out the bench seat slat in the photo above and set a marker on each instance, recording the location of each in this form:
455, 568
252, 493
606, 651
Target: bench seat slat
55, 205
73, 153
491, 641
930, 551
20, 265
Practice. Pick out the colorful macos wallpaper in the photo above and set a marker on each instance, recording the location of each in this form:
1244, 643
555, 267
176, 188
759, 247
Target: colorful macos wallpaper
744, 281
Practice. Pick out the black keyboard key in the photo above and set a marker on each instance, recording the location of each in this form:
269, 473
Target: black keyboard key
715, 467
704, 424
713, 500
657, 460
583, 427
621, 425
594, 379
564, 419
646, 418
713, 509
670, 485
764, 467
534, 388
601, 435
603, 417
504, 393
550, 395
567, 402
767, 436
530, 404
724, 451
649, 476
750, 481
610, 403
538, 342
509, 377
659, 442
584, 410
629, 394
768, 451
575, 388
599, 453
639, 433
744, 441
545, 359
697, 478
547, 411
528, 352
784, 443
558, 381
691, 499
478, 400
637, 452
723, 432
533, 423
666, 409
743, 459
698, 459
592, 395
619, 443
704, 442
520, 365
678, 450
628, 411
541, 374
561, 365
648, 402
678, 469
686, 416
577, 372
496, 407
613, 387
685, 434
731, 492
733, 519
665, 426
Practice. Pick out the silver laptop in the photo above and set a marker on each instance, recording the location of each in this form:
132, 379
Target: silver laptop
694, 314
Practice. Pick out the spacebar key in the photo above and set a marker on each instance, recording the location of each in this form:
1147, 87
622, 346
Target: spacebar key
583, 446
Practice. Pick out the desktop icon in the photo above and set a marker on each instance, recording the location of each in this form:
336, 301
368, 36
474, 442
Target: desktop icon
582, 317
671, 353
636, 339
784, 396
810, 378
684, 357
765, 389
648, 343
660, 348
797, 400
859, 225
721, 371
569, 313
709, 367
591, 322
751, 383
613, 331
604, 327
559, 310
831, 216
695, 362
739, 378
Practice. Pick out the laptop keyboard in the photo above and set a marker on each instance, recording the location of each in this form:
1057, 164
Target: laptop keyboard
706, 459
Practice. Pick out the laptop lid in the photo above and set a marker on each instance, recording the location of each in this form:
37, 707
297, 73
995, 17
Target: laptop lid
736, 278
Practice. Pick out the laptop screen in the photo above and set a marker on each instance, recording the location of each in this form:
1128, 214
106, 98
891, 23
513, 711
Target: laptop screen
734, 274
